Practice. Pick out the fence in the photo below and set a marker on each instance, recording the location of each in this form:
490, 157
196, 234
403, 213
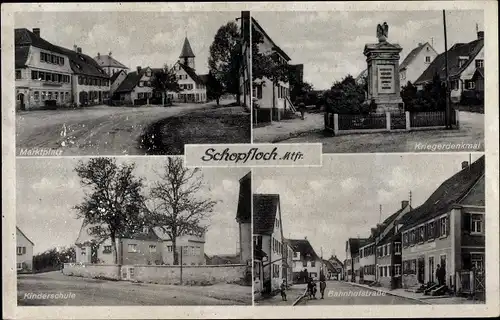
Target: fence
471, 283
376, 122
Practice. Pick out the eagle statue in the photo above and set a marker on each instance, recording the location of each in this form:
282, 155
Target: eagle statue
382, 31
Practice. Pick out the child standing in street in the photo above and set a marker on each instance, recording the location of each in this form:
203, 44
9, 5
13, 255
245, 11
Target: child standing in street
283, 290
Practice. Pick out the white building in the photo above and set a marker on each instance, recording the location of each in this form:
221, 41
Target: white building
244, 219
416, 62
136, 88
305, 258
268, 237
272, 99
24, 252
110, 64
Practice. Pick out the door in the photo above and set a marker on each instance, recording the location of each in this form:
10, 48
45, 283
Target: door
128, 273
431, 269
443, 265
20, 97
421, 270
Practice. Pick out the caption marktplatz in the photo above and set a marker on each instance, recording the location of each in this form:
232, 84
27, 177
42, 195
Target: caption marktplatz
212, 154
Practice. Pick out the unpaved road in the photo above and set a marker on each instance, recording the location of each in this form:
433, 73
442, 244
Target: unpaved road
98, 130
92, 292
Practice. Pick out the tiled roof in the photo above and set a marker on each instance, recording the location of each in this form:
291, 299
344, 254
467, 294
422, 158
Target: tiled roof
244, 211
83, 64
187, 52
275, 47
264, 212
192, 74
387, 238
115, 75
361, 75
446, 195
411, 55
304, 247
335, 259
132, 80
150, 235
478, 74
437, 66
24, 235
356, 243
109, 61
24, 37
21, 56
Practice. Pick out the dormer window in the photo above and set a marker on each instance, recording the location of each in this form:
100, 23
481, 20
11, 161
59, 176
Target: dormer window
462, 61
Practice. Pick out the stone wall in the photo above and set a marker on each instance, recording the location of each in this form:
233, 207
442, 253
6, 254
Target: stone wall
205, 274
104, 271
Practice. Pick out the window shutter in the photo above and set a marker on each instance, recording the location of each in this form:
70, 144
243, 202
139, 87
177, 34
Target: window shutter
466, 223
448, 224
437, 228
426, 231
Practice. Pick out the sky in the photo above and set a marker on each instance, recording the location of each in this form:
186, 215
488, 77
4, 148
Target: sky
330, 43
48, 189
134, 38
342, 199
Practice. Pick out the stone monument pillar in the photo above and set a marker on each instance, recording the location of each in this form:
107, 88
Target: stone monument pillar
383, 73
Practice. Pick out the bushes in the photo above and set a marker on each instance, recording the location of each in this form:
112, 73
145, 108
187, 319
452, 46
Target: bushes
347, 97
431, 98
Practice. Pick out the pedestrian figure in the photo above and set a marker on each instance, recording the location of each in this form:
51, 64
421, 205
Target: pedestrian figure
302, 110
283, 290
443, 275
440, 275
322, 287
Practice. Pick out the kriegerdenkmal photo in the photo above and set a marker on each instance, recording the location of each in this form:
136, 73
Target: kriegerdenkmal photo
384, 81
130, 83
141, 231
371, 230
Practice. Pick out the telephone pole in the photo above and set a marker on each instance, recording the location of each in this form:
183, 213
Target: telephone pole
447, 86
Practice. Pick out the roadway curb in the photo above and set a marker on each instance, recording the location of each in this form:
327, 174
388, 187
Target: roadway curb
388, 293
299, 299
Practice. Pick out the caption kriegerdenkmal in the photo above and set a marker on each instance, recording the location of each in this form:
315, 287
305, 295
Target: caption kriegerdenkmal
226, 155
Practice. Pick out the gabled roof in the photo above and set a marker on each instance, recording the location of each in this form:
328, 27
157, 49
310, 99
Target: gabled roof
150, 235
335, 259
478, 74
244, 211
437, 66
265, 207
409, 58
83, 64
304, 247
115, 75
356, 243
109, 61
275, 46
446, 195
132, 80
186, 52
361, 75
192, 74
17, 228
24, 37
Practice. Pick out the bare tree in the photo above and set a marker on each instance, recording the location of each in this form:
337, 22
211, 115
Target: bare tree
113, 201
178, 208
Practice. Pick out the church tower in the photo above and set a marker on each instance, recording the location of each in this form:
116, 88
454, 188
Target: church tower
187, 56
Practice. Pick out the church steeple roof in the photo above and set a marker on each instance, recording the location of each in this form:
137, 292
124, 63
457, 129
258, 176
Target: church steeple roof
186, 52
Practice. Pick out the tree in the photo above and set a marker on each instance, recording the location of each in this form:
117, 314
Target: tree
214, 88
178, 208
113, 202
165, 80
301, 92
346, 97
431, 98
225, 58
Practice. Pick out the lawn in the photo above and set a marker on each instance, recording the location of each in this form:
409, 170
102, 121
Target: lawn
214, 126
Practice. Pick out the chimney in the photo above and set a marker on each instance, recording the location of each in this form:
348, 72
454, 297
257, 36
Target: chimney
75, 47
110, 53
99, 56
480, 35
465, 164
305, 238
420, 43
404, 203
36, 31
79, 50
139, 69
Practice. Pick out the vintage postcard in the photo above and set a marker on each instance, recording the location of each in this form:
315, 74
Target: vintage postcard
250, 160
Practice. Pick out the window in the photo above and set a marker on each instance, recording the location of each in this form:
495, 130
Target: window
140, 95
313, 263
304, 263
397, 248
455, 85
471, 85
479, 63
48, 77
461, 62
476, 223
169, 248
56, 95
132, 248
152, 248
389, 249
421, 234
442, 227
107, 249
49, 95
21, 250
477, 260
385, 250
427, 59
397, 270
18, 74
44, 95
20, 265
84, 251
36, 95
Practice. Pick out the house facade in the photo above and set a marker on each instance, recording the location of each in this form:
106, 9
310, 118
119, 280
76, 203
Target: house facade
416, 62
268, 237
351, 266
337, 270
244, 219
288, 261
152, 246
24, 252
367, 263
463, 60
109, 64
42, 72
447, 230
272, 98
305, 259
116, 80
136, 87
245, 81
